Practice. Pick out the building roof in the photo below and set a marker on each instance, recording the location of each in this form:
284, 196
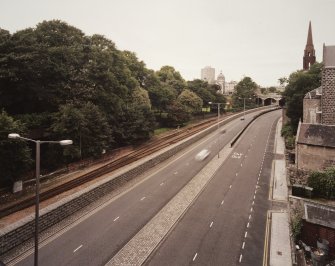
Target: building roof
329, 56
314, 94
317, 135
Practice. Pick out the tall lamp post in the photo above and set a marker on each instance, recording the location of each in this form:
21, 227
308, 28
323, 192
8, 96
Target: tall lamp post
218, 104
243, 106
38, 156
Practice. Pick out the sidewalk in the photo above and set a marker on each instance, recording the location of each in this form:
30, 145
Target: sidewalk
280, 248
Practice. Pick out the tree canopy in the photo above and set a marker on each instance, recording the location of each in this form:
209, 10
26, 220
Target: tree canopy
245, 89
59, 83
298, 84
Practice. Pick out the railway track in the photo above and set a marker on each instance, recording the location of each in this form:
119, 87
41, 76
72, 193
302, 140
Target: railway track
139, 153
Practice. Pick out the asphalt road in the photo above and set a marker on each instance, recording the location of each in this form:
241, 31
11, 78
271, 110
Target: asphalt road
96, 239
226, 224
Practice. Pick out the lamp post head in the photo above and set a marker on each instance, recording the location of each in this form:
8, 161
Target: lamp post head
209, 102
65, 142
13, 136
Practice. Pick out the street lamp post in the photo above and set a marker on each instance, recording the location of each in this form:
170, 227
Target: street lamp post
37, 202
244, 107
218, 104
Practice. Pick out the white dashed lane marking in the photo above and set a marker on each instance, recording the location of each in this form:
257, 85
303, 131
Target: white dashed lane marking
142, 198
117, 218
77, 248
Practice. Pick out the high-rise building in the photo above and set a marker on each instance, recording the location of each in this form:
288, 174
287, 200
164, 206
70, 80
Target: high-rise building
309, 52
208, 74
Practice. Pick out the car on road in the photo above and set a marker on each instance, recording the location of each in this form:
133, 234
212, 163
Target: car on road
202, 155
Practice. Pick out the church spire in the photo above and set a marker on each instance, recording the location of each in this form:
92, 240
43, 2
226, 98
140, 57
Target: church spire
309, 37
309, 53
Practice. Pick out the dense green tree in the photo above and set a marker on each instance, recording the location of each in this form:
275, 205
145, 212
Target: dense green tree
137, 124
191, 101
141, 97
15, 155
87, 126
299, 83
202, 89
172, 78
246, 88
178, 115
161, 97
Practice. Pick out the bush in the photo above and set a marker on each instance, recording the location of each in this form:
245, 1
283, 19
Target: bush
288, 133
323, 183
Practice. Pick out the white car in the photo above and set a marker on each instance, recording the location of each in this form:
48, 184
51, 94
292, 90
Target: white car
202, 155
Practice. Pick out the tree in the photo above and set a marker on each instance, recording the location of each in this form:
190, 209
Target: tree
246, 88
141, 97
161, 97
137, 124
178, 115
299, 83
172, 78
87, 126
201, 88
15, 156
191, 101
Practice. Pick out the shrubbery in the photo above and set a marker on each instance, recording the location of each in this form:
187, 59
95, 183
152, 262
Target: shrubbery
323, 183
288, 133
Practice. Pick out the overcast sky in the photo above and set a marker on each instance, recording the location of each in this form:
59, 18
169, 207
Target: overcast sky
262, 39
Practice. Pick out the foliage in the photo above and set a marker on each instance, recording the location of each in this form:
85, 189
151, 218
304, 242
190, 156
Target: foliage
141, 97
137, 123
296, 222
177, 115
15, 157
245, 89
88, 128
172, 78
191, 101
323, 183
288, 133
299, 83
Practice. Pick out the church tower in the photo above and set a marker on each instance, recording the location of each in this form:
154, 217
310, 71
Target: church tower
309, 53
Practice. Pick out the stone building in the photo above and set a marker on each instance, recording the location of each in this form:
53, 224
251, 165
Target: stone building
315, 141
312, 107
229, 87
221, 82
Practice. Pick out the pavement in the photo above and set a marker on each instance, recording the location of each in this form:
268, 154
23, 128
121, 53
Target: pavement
278, 247
279, 233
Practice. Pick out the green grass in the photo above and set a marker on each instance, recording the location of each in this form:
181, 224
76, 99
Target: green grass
161, 130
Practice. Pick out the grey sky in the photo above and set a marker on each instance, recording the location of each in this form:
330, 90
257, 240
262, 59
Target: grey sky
263, 39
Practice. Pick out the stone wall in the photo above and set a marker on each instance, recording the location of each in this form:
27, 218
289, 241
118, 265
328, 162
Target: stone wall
328, 96
311, 108
314, 157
